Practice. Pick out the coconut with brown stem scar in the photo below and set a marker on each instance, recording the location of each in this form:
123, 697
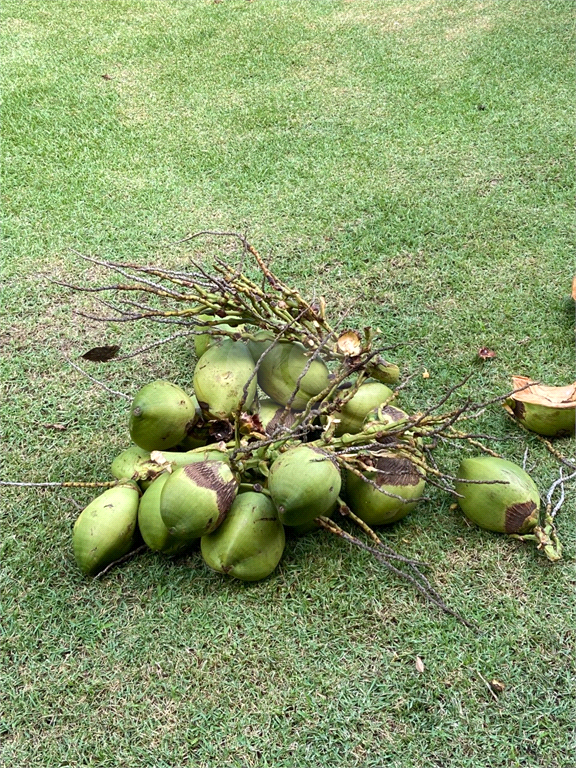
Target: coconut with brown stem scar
548, 411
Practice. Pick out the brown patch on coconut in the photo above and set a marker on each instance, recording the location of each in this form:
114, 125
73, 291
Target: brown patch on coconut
396, 471
206, 475
286, 420
519, 409
517, 514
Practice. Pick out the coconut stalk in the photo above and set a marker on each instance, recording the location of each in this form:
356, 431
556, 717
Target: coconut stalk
200, 301
545, 534
229, 297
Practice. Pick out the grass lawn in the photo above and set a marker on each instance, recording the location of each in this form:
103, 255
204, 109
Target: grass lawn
413, 163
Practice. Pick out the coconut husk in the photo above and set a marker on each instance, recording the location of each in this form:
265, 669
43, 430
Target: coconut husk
540, 394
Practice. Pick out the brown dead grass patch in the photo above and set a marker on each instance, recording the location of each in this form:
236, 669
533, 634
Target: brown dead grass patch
387, 19
466, 21
471, 25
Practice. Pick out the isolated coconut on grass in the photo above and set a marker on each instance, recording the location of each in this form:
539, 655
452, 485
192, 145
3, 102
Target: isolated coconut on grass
548, 411
497, 495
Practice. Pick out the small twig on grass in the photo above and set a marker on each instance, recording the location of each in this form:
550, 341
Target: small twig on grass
72, 484
96, 381
557, 455
559, 482
428, 594
74, 503
487, 685
129, 556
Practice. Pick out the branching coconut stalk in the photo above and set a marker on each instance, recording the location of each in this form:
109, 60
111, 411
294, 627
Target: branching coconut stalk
418, 581
226, 303
545, 534
230, 296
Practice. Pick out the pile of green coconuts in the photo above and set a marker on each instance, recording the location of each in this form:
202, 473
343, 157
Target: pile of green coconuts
264, 447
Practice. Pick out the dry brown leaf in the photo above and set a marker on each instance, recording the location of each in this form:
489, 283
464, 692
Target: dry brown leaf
574, 287
59, 427
497, 686
485, 354
425, 374
419, 665
349, 343
250, 423
101, 354
540, 394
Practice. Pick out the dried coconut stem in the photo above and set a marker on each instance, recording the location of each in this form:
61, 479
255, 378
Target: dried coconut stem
431, 596
96, 381
557, 455
559, 482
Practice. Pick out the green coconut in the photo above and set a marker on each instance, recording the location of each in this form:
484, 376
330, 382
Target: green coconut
205, 340
393, 491
220, 377
159, 462
105, 529
304, 483
196, 498
281, 368
351, 415
502, 497
249, 543
154, 533
160, 416
124, 465
272, 414
548, 411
